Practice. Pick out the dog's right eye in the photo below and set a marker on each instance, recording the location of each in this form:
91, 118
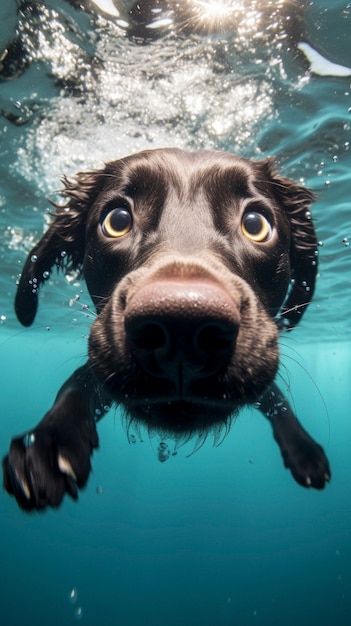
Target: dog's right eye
256, 227
117, 223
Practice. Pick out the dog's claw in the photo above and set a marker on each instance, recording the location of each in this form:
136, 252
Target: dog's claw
65, 467
70, 476
23, 485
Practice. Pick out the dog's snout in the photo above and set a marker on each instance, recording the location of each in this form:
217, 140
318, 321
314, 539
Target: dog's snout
182, 326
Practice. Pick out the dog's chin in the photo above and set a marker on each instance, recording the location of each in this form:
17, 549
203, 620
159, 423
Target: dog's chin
177, 418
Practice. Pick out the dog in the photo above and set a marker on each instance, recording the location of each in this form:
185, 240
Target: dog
194, 261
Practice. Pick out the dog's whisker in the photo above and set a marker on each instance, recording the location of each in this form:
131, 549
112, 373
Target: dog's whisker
311, 379
296, 307
83, 310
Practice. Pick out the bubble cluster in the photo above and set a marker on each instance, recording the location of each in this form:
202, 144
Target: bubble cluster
73, 599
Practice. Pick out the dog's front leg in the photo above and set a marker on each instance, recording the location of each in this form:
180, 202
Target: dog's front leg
303, 456
54, 457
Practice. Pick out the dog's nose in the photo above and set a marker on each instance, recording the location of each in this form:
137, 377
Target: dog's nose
182, 330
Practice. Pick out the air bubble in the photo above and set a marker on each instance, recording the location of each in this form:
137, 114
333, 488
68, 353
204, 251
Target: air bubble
78, 613
46, 275
73, 595
163, 452
335, 158
2, 319
33, 258
63, 254
72, 301
346, 241
28, 440
327, 183
347, 146
321, 244
308, 215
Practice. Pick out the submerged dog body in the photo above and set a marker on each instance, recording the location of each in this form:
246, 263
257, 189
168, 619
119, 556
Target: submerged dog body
193, 261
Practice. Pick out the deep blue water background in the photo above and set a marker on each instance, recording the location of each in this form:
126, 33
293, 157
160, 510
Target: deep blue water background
223, 537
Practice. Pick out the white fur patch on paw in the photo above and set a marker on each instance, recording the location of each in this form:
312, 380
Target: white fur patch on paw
66, 467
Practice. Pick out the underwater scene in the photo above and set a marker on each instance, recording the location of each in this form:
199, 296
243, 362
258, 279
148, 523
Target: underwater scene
209, 529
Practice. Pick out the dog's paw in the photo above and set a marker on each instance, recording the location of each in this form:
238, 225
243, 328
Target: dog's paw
48, 462
306, 460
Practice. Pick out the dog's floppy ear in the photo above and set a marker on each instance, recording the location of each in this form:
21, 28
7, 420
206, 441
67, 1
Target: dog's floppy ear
63, 244
296, 201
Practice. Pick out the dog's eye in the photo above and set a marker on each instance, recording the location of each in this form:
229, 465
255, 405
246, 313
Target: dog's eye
256, 227
117, 223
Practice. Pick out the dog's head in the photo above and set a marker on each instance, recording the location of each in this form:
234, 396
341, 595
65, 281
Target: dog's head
193, 261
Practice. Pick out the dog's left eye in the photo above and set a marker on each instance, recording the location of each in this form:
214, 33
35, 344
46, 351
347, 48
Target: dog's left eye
117, 223
256, 227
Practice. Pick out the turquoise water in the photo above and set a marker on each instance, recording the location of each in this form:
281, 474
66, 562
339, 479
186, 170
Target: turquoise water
222, 537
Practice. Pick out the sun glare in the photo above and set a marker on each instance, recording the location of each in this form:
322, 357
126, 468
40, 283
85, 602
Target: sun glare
216, 8
214, 11
219, 15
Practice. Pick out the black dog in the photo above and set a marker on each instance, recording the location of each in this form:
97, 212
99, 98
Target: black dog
193, 260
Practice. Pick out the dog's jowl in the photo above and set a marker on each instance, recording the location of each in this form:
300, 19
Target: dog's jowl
194, 261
